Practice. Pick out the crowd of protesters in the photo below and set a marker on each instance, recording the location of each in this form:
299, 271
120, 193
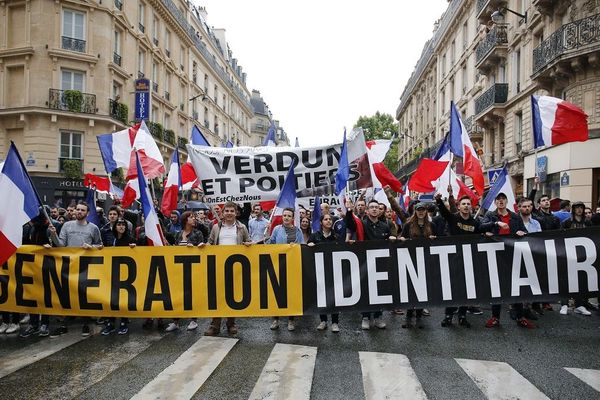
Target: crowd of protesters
231, 224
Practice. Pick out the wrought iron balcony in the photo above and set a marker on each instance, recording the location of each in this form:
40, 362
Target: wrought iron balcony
141, 27
486, 7
169, 136
118, 111
156, 129
117, 59
495, 37
119, 5
155, 87
496, 94
69, 43
72, 100
181, 142
569, 39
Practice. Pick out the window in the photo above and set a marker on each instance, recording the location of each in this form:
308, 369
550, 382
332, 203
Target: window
216, 92
168, 42
73, 24
182, 58
117, 89
141, 62
70, 145
72, 80
155, 30
167, 121
206, 84
452, 52
465, 35
117, 46
465, 80
443, 66
519, 132
141, 16
154, 72
443, 97
518, 70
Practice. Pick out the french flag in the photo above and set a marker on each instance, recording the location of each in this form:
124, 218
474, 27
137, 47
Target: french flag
405, 197
189, 178
117, 151
19, 203
151, 224
198, 138
502, 185
460, 145
270, 139
172, 186
343, 173
556, 121
286, 199
380, 174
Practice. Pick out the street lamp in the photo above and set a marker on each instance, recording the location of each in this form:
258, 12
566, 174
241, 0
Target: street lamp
498, 15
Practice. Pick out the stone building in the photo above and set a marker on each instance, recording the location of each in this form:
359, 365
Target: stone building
489, 57
67, 72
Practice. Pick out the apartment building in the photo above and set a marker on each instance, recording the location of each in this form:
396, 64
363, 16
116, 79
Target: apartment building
489, 57
67, 73
262, 121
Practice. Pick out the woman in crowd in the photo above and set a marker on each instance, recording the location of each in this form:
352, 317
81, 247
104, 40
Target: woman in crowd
417, 226
189, 236
122, 238
282, 234
305, 228
325, 235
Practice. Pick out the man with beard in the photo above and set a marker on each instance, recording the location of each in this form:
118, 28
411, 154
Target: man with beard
547, 220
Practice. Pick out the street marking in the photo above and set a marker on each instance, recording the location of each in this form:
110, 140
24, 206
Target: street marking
287, 374
500, 381
36, 352
188, 373
589, 376
389, 376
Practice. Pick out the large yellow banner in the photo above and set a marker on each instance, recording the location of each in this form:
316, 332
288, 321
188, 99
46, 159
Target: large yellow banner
260, 280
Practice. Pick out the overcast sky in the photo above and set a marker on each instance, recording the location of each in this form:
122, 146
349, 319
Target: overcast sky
320, 65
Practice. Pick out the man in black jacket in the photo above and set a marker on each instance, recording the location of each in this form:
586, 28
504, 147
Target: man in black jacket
460, 223
505, 222
542, 213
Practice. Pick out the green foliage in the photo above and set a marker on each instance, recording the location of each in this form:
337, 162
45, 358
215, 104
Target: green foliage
169, 136
72, 168
382, 126
156, 129
123, 112
73, 100
117, 175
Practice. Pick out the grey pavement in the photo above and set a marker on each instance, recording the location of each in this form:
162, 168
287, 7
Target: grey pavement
118, 367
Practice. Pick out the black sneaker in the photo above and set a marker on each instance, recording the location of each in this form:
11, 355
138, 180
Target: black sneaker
44, 331
85, 330
123, 329
447, 322
30, 330
61, 330
462, 321
108, 329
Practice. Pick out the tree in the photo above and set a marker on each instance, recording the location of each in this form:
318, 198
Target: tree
382, 126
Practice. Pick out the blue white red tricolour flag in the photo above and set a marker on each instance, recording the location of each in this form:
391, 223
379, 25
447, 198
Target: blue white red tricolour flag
460, 145
380, 174
151, 224
198, 138
117, 151
19, 203
270, 139
172, 186
286, 199
502, 185
316, 215
556, 121
405, 197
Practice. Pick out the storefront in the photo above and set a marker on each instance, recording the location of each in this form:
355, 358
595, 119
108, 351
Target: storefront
59, 191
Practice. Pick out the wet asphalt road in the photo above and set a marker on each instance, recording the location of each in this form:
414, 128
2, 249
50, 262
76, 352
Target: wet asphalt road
118, 367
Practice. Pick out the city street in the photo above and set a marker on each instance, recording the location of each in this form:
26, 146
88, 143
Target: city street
434, 363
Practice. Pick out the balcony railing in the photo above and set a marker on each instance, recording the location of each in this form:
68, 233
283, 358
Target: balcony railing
72, 100
182, 142
496, 94
117, 59
567, 38
156, 129
118, 111
169, 136
119, 5
495, 37
69, 43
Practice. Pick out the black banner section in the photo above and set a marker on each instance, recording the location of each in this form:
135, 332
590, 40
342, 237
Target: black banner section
457, 270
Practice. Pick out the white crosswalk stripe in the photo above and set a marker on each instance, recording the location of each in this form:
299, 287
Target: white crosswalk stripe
589, 376
389, 376
499, 381
35, 352
287, 374
188, 373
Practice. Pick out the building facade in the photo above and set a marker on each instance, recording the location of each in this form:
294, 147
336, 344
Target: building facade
262, 121
490, 68
67, 72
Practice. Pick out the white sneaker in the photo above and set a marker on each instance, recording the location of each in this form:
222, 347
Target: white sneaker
335, 328
291, 325
172, 327
24, 320
275, 324
564, 310
579, 310
379, 323
322, 326
12, 328
192, 325
366, 324
3, 327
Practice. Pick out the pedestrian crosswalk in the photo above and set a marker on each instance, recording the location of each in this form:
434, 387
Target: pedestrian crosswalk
285, 372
